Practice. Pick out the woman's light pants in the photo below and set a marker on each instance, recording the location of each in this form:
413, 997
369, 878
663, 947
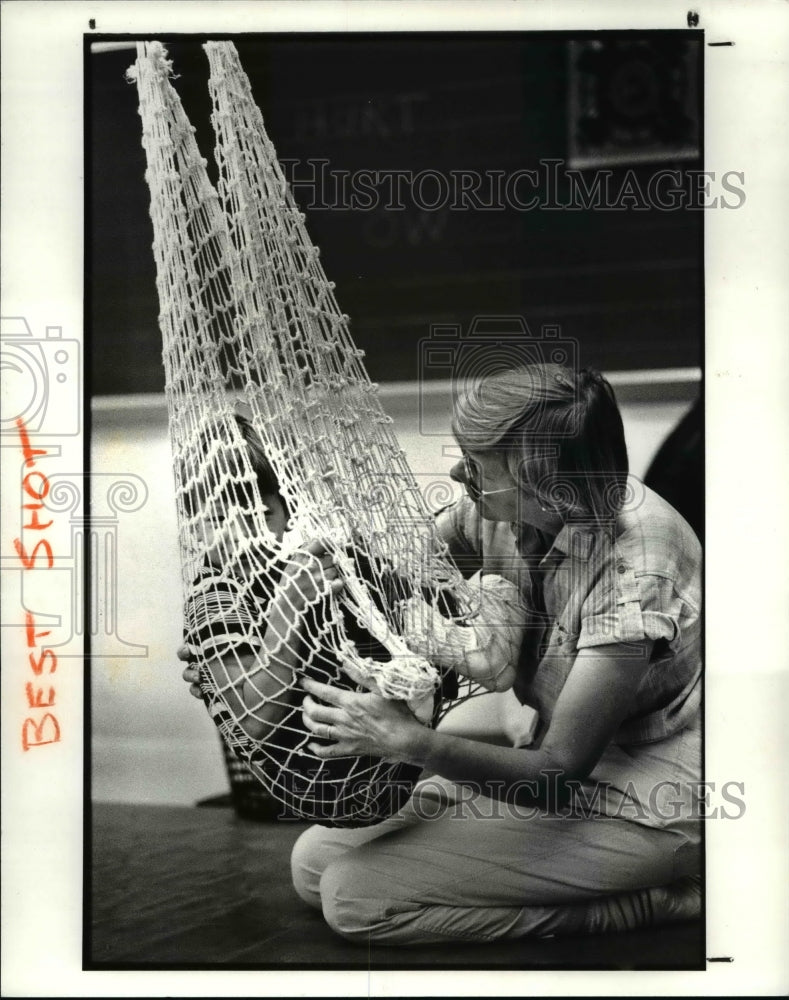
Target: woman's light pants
452, 866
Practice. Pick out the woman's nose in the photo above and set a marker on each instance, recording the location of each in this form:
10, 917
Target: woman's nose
458, 472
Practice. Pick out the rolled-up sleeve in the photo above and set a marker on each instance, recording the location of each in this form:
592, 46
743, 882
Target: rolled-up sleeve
638, 606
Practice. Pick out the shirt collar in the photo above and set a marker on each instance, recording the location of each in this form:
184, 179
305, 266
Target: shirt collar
574, 540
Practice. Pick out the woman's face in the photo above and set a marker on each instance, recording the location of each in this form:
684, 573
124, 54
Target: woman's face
490, 485
222, 538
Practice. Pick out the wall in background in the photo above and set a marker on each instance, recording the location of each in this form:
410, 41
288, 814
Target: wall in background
152, 742
625, 280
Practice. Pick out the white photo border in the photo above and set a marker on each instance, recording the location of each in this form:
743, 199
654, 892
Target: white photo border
746, 84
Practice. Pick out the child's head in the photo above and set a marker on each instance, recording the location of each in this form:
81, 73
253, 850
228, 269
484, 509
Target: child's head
229, 520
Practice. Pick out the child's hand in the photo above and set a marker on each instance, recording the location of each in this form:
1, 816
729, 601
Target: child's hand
309, 574
190, 674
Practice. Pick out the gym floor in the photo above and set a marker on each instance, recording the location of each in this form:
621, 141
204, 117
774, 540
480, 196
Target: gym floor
176, 887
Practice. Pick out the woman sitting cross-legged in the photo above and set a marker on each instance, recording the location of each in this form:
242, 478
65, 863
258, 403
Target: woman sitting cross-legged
594, 827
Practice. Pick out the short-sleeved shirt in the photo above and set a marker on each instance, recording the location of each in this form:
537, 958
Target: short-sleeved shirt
641, 580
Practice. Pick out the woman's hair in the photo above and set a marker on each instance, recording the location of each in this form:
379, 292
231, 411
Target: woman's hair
559, 431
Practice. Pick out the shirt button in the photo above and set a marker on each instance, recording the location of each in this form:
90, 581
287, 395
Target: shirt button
621, 568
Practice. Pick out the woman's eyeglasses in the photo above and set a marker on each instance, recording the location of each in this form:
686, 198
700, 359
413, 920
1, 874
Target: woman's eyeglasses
470, 471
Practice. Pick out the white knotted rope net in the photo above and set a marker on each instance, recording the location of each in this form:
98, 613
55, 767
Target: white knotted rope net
274, 425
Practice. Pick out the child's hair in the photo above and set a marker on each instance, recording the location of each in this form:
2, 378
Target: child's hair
267, 479
559, 431
229, 491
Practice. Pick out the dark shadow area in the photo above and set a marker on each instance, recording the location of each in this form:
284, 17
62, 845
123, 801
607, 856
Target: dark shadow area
677, 470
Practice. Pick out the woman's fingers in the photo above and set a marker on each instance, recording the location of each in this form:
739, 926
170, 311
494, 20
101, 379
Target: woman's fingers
319, 714
340, 749
187, 653
334, 696
325, 730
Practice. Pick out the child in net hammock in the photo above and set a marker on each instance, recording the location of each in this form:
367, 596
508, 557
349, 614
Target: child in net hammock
250, 613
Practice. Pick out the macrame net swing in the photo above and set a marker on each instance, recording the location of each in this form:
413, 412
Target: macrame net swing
250, 325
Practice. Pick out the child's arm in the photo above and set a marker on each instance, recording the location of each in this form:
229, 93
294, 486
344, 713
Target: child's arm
268, 693
259, 687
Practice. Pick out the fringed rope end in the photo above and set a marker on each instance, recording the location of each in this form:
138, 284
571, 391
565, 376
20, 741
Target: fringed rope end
156, 53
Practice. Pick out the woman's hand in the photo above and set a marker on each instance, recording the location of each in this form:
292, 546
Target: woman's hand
309, 574
359, 722
190, 674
